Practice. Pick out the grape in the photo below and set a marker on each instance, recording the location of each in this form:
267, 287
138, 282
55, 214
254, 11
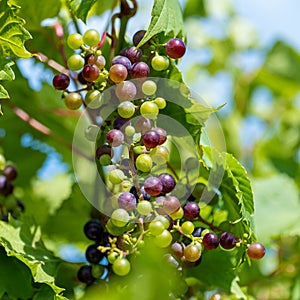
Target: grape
126, 91
91, 37
99, 61
177, 249
168, 182
160, 102
2, 162
143, 163
126, 109
153, 186
121, 266
133, 54
120, 217
115, 137
127, 201
75, 62
197, 232
162, 135
105, 160
187, 227
164, 239
138, 36
210, 241
10, 172
93, 96
74, 41
81, 79
149, 110
160, 155
73, 101
116, 176
84, 274
118, 73
90, 73
165, 220
171, 260
256, 251
119, 123
97, 271
177, 215
191, 210
102, 150
129, 130
171, 204
93, 255
142, 124
112, 257
122, 60
156, 227
192, 252
144, 207
139, 70
93, 230
150, 139
61, 81
20, 205
175, 48
145, 195
227, 241
149, 87
160, 63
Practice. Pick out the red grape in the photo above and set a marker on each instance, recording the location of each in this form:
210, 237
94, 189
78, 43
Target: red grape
256, 251
175, 48
152, 186
61, 81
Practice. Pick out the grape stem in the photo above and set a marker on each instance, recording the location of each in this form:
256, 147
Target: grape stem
212, 226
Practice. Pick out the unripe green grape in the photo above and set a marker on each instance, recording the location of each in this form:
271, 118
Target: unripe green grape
143, 163
149, 110
75, 41
73, 101
97, 271
91, 37
116, 176
139, 149
112, 257
149, 87
144, 207
164, 220
129, 130
93, 98
120, 217
160, 63
121, 266
126, 109
177, 215
160, 102
159, 155
75, 62
187, 227
164, 239
156, 227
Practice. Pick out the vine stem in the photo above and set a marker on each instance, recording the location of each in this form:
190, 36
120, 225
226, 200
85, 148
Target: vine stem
212, 226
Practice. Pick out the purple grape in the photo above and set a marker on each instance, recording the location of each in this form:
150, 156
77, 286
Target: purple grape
61, 81
146, 196
191, 210
171, 204
150, 139
139, 70
227, 241
85, 275
10, 172
168, 182
119, 123
93, 230
162, 134
122, 60
138, 36
197, 231
93, 255
103, 149
175, 48
133, 54
6, 187
90, 73
115, 137
142, 124
127, 201
210, 241
153, 186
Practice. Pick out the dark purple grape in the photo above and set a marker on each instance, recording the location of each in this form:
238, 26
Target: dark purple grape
138, 36
93, 230
227, 241
133, 54
81, 79
84, 275
115, 137
127, 201
168, 182
175, 48
134, 192
150, 139
162, 135
10, 172
20, 204
146, 196
171, 204
210, 241
103, 149
153, 186
142, 124
119, 122
197, 231
139, 70
122, 60
61, 81
90, 73
93, 255
6, 187
191, 210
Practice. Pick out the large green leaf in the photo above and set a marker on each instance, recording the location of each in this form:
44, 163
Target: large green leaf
166, 19
23, 241
12, 32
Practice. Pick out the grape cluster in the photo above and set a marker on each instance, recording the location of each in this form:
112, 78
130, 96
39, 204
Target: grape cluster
8, 203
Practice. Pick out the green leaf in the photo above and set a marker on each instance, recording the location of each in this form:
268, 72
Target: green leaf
166, 19
12, 32
3, 92
15, 278
194, 8
6, 72
23, 241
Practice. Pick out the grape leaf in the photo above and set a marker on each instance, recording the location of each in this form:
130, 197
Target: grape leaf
12, 32
6, 72
166, 18
23, 241
194, 8
3, 92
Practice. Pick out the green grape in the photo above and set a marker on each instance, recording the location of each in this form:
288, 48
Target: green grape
159, 155
156, 227
2, 162
160, 63
112, 257
91, 37
121, 266
105, 160
143, 163
73, 101
149, 87
160, 102
164, 220
144, 207
75, 62
126, 109
149, 110
164, 239
97, 271
129, 130
177, 215
75, 41
116, 176
93, 98
187, 227
120, 217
